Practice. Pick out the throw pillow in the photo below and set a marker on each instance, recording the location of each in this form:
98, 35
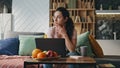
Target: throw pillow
96, 47
27, 44
83, 40
9, 46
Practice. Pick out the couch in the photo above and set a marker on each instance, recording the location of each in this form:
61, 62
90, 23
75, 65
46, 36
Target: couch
13, 49
17, 46
114, 60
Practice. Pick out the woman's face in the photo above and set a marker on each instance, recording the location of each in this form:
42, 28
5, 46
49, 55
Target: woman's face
59, 19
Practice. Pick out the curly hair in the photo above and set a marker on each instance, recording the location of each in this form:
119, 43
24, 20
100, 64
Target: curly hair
69, 24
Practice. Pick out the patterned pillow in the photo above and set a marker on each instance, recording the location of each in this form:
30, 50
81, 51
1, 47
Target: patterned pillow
83, 40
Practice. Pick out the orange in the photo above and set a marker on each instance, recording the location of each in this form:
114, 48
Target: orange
35, 52
41, 55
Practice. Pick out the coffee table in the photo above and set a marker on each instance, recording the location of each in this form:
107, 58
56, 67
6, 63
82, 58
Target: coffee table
82, 61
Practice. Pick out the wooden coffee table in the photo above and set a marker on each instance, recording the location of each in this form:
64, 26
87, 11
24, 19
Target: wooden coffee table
82, 61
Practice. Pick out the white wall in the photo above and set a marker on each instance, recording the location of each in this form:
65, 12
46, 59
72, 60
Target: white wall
110, 47
30, 15
5, 23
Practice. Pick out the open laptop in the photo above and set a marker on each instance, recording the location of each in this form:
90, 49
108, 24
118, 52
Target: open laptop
55, 44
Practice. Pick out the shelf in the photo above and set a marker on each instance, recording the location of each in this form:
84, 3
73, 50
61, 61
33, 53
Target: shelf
107, 11
81, 9
83, 22
82, 12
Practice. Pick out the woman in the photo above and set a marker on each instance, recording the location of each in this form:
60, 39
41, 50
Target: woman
63, 27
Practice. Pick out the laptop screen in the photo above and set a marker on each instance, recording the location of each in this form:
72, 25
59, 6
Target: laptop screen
55, 44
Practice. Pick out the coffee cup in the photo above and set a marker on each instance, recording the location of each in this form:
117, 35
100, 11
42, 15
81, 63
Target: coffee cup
83, 51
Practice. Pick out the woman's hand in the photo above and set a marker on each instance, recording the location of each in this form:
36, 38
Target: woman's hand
60, 30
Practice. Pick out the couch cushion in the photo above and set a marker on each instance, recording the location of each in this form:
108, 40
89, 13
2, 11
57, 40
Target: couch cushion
9, 46
96, 47
27, 44
83, 40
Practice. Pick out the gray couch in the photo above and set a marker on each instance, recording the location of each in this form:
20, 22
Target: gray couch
10, 44
109, 59
12, 34
115, 60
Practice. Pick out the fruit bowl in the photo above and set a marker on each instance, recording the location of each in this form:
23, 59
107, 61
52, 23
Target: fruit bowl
47, 58
38, 54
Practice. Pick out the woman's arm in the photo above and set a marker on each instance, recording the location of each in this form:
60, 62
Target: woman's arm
71, 44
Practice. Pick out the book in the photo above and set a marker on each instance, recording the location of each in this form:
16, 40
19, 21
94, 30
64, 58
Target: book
72, 4
89, 19
79, 3
77, 19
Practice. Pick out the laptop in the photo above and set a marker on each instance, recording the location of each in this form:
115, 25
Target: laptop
55, 44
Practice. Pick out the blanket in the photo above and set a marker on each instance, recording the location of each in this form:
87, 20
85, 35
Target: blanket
14, 61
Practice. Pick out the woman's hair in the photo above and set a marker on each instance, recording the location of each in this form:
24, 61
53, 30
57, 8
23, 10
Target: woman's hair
69, 24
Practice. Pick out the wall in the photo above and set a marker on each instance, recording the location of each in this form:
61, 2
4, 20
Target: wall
107, 4
110, 47
30, 15
5, 23
108, 31
107, 25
